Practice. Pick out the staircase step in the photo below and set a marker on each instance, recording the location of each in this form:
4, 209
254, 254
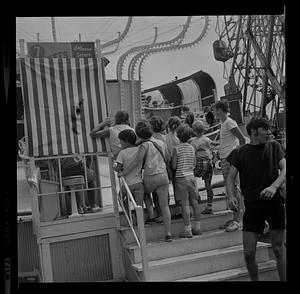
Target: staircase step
267, 272
207, 241
156, 231
184, 266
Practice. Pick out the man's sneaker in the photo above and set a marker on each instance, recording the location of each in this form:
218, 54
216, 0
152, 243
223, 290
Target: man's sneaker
207, 210
185, 234
196, 232
233, 226
224, 226
168, 238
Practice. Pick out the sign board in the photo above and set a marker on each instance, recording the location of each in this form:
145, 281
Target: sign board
47, 49
61, 49
83, 50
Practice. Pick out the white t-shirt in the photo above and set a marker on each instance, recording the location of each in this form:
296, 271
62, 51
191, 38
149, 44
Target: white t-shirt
228, 141
154, 163
127, 156
114, 141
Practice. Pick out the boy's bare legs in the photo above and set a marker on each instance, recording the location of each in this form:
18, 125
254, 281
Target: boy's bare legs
196, 209
162, 194
149, 206
185, 205
209, 190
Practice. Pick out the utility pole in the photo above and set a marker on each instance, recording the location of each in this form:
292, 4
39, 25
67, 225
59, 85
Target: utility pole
38, 37
53, 29
79, 37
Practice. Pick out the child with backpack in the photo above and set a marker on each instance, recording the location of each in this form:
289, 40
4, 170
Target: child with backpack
202, 145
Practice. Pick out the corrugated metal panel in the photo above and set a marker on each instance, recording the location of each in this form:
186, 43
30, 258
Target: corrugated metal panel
82, 260
28, 256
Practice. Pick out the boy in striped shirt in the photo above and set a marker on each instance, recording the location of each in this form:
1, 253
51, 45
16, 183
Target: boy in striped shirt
183, 161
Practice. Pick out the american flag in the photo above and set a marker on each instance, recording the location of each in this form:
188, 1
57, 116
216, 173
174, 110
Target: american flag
64, 98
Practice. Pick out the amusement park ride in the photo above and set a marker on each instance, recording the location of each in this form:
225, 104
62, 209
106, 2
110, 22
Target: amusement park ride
94, 246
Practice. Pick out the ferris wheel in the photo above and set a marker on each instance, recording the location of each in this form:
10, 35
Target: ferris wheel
252, 49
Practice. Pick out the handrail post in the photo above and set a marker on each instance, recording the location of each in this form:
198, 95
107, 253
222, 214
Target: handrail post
142, 236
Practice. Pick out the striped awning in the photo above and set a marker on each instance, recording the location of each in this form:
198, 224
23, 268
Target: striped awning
63, 100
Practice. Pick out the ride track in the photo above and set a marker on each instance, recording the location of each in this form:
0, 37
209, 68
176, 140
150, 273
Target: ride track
254, 61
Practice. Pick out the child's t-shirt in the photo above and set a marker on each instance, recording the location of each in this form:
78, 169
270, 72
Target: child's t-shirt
127, 156
202, 147
154, 162
185, 160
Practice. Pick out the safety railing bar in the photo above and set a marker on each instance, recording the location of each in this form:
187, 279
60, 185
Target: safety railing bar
140, 222
131, 227
63, 192
105, 154
128, 191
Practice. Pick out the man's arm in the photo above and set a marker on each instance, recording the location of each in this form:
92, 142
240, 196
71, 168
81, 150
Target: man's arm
232, 201
237, 132
270, 191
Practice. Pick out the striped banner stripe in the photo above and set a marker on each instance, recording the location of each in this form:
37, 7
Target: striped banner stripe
63, 99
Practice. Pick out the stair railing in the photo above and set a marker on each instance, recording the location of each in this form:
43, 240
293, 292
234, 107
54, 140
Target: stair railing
130, 204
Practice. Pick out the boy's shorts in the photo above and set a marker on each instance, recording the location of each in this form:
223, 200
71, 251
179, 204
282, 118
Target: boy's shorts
203, 169
186, 188
256, 212
152, 182
137, 191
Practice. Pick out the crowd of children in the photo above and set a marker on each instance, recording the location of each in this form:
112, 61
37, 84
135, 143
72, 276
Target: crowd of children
156, 153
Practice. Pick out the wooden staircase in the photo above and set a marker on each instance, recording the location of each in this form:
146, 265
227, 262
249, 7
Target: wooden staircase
215, 255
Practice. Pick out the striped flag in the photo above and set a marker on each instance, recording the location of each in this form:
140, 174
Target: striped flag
63, 99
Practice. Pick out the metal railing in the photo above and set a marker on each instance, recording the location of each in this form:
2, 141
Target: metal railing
139, 210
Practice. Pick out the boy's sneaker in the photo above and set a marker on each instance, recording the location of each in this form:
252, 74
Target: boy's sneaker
196, 232
207, 210
168, 238
224, 226
81, 210
95, 208
185, 234
233, 226
158, 220
150, 221
177, 216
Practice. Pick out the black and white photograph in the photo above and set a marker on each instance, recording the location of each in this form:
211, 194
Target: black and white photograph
151, 148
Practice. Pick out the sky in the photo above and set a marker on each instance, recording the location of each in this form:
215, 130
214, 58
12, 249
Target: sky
159, 68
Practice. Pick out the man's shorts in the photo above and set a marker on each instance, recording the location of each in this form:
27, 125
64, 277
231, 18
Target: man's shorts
186, 188
257, 212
